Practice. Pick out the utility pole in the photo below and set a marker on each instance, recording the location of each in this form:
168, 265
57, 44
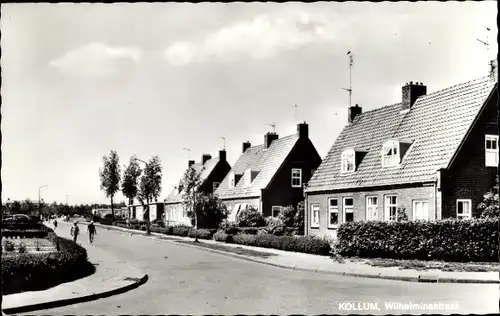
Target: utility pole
351, 62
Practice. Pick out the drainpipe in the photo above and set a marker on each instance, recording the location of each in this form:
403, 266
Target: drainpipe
436, 182
306, 212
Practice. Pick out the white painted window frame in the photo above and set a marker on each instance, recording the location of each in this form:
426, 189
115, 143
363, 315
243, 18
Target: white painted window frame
387, 207
394, 158
426, 215
295, 177
313, 210
370, 207
346, 157
465, 216
347, 209
491, 155
333, 209
274, 208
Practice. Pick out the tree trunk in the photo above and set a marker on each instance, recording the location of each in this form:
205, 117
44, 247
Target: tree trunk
112, 210
195, 209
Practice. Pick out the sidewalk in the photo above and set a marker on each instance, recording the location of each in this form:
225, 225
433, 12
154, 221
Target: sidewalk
112, 277
326, 265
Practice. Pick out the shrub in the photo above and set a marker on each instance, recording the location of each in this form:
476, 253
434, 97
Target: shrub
275, 226
401, 214
201, 233
287, 216
182, 231
33, 272
305, 244
22, 248
9, 246
250, 218
490, 206
222, 236
449, 240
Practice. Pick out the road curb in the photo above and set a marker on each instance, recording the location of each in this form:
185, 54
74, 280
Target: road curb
421, 278
75, 300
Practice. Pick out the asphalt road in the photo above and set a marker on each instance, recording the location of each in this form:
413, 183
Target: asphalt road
184, 280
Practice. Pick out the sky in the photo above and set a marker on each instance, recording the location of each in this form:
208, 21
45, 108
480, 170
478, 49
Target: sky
79, 80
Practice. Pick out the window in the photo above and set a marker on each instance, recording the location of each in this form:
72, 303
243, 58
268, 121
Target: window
420, 210
348, 160
333, 213
276, 211
390, 154
231, 180
464, 209
296, 178
391, 207
215, 186
315, 215
243, 207
348, 210
372, 208
248, 178
491, 149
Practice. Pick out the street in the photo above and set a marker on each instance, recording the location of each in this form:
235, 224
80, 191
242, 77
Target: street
183, 280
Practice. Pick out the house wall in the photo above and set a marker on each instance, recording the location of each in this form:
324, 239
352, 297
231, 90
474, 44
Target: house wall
156, 211
406, 195
280, 191
217, 175
468, 177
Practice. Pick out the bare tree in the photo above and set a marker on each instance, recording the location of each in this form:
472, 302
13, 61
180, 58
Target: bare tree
110, 177
150, 186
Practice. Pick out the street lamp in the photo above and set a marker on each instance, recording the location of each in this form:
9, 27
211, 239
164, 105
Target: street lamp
39, 204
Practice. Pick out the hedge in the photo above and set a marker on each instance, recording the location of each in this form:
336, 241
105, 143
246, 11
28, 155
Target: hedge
448, 240
22, 226
222, 236
34, 272
32, 233
306, 244
202, 233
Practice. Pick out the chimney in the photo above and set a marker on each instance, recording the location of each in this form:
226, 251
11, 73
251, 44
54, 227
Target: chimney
190, 163
222, 155
353, 112
205, 158
411, 92
494, 70
303, 130
268, 139
246, 145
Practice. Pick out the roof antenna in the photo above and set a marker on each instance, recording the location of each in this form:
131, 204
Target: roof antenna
295, 113
189, 152
351, 61
224, 139
487, 44
273, 126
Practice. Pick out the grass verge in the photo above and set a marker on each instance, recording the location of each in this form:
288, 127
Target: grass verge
236, 250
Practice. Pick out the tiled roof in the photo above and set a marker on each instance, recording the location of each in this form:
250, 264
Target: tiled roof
264, 161
436, 124
175, 197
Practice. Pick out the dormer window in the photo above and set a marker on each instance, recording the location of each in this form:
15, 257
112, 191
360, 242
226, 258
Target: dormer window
231, 180
348, 161
390, 154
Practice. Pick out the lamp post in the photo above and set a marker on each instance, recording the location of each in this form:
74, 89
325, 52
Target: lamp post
39, 204
148, 232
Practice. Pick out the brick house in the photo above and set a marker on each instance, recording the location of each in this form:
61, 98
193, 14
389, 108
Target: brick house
432, 155
270, 176
213, 170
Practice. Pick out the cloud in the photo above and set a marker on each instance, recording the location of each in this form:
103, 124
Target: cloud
260, 38
95, 59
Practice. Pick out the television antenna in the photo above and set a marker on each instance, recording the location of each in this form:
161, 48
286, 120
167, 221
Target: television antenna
351, 62
189, 152
487, 42
224, 139
273, 126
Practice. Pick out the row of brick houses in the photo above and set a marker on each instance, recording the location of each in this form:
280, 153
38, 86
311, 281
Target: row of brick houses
432, 156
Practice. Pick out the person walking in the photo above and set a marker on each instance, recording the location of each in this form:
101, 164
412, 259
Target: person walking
55, 224
75, 230
92, 231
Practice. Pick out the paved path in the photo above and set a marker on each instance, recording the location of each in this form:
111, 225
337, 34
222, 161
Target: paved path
112, 275
186, 280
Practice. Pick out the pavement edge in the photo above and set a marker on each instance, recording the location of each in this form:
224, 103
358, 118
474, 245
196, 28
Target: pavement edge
75, 300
